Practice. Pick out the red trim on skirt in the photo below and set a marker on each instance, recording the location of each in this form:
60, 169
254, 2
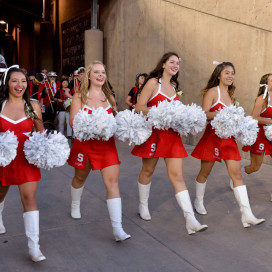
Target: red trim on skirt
161, 144
261, 146
100, 153
213, 148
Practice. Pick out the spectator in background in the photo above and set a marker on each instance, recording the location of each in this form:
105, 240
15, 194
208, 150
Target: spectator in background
131, 100
63, 113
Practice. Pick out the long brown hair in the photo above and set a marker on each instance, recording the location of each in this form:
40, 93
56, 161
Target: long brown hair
4, 90
86, 84
214, 79
158, 71
264, 80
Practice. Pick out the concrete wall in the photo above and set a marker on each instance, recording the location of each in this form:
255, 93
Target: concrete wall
137, 33
133, 42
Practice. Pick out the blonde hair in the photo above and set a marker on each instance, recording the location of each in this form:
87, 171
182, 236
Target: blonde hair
86, 83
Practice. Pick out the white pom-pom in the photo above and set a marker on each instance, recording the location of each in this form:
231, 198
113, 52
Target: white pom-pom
189, 119
98, 125
47, 151
183, 119
132, 127
196, 118
248, 131
161, 116
179, 120
268, 132
80, 125
8, 147
226, 122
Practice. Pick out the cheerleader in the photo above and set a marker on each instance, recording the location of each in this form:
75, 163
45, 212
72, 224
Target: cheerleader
218, 94
96, 154
160, 85
18, 115
262, 112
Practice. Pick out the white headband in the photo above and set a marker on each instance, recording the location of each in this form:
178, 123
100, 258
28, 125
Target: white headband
216, 62
6, 72
266, 90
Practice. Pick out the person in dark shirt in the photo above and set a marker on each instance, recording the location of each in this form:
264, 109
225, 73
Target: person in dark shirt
63, 114
132, 97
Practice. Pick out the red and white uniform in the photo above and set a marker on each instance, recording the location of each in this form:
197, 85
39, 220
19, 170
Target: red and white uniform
100, 153
19, 171
262, 145
213, 148
161, 143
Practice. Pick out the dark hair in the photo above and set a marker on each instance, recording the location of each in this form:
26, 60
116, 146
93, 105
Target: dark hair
264, 80
4, 90
64, 79
214, 79
158, 71
137, 78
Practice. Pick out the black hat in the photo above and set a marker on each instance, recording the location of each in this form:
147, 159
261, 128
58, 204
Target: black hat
141, 74
39, 77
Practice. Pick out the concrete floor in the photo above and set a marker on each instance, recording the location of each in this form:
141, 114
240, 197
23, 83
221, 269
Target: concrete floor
158, 245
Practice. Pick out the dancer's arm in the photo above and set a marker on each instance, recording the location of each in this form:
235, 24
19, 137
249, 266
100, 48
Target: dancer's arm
209, 99
257, 110
148, 91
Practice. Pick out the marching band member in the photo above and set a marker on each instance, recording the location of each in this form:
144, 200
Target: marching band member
161, 85
75, 84
36, 87
219, 93
15, 108
47, 100
96, 154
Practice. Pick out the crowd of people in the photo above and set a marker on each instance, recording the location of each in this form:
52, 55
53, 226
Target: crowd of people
89, 90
